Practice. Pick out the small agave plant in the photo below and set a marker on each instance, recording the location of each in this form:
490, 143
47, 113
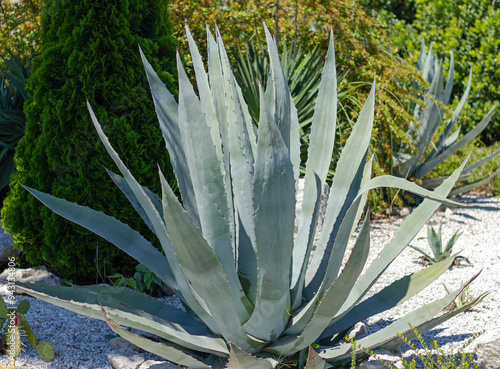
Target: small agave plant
256, 295
435, 241
428, 154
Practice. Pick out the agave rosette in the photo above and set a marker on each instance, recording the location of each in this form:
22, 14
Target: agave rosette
428, 154
255, 292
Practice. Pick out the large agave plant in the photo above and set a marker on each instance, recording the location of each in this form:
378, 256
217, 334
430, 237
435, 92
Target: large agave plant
428, 154
255, 293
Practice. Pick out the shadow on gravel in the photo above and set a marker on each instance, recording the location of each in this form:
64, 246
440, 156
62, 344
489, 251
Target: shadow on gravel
466, 216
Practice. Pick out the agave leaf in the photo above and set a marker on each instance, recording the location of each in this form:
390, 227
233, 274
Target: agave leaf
168, 117
434, 239
208, 184
473, 133
281, 106
426, 255
321, 143
239, 359
274, 189
167, 352
210, 112
206, 97
463, 99
217, 86
444, 140
367, 174
241, 144
183, 287
427, 72
470, 186
389, 333
243, 220
403, 184
217, 90
394, 294
170, 323
408, 229
427, 326
331, 300
144, 303
204, 271
452, 138
232, 87
449, 83
114, 231
344, 190
122, 184
429, 119
480, 162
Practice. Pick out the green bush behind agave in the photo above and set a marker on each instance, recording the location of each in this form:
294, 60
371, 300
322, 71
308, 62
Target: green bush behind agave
469, 27
257, 294
88, 48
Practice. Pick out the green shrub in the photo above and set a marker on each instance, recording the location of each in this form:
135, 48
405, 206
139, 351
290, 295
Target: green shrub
468, 27
473, 28
89, 49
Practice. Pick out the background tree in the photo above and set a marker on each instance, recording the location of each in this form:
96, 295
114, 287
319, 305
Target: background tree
470, 28
20, 27
88, 50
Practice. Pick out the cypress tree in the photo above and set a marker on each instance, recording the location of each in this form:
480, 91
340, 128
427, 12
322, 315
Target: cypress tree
89, 50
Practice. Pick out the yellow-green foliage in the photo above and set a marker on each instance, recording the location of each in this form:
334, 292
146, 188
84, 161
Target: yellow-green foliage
471, 27
20, 27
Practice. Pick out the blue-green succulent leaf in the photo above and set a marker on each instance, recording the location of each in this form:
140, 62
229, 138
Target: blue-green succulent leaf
163, 350
203, 270
321, 144
114, 231
274, 195
344, 190
168, 117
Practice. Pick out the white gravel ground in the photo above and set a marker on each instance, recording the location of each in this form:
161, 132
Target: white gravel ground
81, 343
479, 220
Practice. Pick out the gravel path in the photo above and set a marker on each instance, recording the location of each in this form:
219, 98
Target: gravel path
82, 343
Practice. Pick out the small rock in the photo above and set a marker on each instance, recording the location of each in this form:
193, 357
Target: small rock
490, 344
401, 212
38, 275
125, 359
359, 331
152, 364
118, 343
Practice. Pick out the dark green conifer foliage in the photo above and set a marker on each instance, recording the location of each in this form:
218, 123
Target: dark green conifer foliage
89, 50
